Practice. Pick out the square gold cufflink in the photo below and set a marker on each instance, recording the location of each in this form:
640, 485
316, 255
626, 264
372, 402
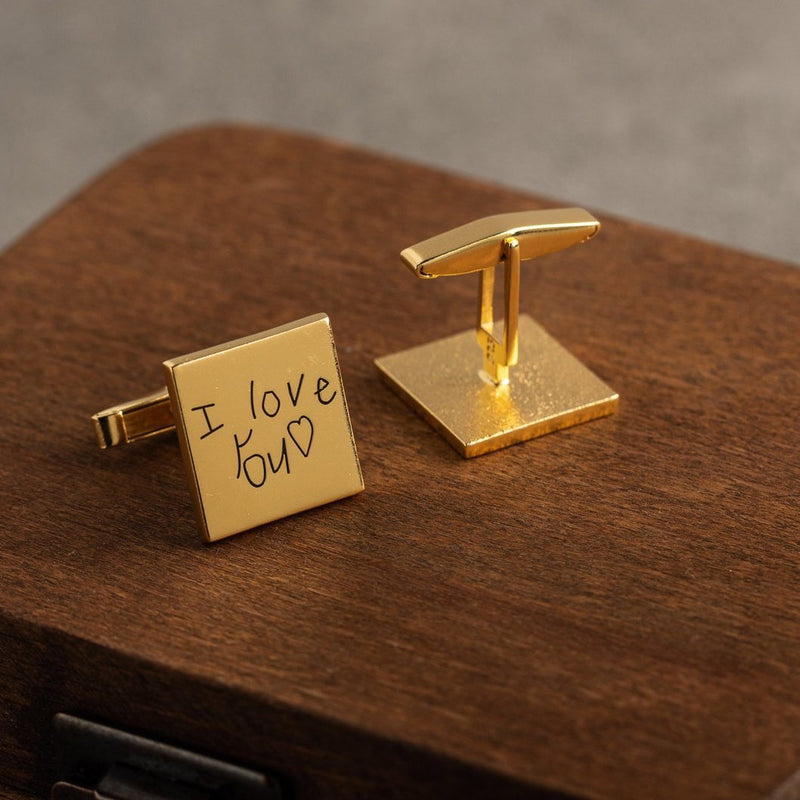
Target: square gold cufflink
262, 423
470, 394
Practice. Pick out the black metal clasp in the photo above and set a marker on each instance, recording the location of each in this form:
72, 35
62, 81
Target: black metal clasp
101, 763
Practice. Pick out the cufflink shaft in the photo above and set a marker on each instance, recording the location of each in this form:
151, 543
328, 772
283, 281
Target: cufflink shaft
500, 354
135, 420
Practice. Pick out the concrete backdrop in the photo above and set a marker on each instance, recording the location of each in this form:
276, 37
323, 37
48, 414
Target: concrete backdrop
685, 114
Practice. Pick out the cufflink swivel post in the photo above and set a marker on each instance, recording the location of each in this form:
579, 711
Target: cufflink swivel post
528, 384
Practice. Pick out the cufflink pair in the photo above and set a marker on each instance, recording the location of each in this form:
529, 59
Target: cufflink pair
262, 421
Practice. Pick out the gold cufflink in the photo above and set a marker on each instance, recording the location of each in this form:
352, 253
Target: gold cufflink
262, 424
482, 404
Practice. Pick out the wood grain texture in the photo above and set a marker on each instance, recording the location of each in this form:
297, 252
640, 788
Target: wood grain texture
7, 793
609, 612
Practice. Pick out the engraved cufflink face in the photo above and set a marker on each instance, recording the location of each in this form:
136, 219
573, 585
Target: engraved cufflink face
263, 426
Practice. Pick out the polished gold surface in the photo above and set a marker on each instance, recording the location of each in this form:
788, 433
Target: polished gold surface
262, 424
479, 244
482, 409
550, 389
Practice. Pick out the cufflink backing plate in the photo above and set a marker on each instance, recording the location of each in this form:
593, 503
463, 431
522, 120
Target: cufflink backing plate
550, 390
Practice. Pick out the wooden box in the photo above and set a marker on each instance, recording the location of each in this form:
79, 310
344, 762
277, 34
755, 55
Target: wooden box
612, 611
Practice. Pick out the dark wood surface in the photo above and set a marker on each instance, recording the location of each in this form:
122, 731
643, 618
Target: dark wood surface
612, 611
7, 793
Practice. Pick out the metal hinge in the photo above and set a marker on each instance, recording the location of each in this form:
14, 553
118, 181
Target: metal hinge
103, 763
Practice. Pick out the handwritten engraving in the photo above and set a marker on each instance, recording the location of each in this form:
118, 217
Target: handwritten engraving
295, 396
254, 462
322, 385
211, 429
301, 432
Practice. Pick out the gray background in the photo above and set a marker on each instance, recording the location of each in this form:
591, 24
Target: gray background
685, 114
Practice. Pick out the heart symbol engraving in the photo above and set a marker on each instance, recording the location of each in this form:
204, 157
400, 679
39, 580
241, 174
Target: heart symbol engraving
301, 432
